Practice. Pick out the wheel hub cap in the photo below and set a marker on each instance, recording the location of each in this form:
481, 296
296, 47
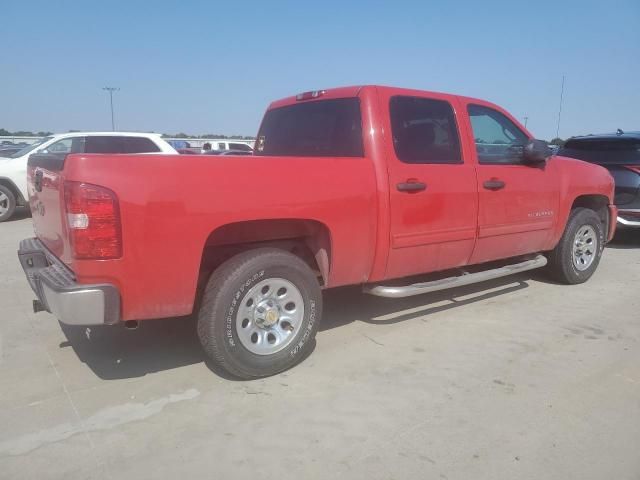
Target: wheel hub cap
585, 247
270, 316
266, 314
4, 203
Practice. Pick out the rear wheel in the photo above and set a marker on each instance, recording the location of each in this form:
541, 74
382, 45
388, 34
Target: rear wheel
260, 313
7, 203
578, 253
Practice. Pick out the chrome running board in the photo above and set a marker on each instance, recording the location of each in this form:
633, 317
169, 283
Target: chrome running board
457, 281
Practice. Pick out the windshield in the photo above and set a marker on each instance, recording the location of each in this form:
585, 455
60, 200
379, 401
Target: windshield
30, 148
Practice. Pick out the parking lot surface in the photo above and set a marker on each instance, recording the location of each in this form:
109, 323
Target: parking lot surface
516, 378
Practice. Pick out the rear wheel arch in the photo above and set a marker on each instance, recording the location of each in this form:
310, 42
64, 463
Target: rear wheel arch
308, 239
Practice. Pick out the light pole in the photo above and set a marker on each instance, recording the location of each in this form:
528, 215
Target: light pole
560, 108
526, 119
111, 90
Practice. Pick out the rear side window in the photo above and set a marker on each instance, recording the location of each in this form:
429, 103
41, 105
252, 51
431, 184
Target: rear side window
107, 144
325, 128
603, 151
424, 130
139, 145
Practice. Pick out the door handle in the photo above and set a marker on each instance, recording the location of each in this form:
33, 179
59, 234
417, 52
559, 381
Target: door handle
411, 187
494, 184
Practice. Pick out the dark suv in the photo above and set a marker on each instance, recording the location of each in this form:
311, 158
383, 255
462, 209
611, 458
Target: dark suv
620, 154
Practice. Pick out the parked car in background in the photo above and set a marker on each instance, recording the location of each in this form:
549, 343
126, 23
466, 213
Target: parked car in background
8, 151
179, 144
236, 152
231, 146
348, 186
13, 170
620, 154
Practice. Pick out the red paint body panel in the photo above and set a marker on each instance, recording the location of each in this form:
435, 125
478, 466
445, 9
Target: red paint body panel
171, 204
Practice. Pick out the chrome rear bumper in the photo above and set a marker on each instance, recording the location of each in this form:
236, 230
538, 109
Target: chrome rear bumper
58, 293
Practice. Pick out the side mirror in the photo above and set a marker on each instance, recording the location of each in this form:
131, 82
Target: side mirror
536, 152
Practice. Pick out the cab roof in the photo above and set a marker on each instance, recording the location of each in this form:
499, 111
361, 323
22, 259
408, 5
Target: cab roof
354, 91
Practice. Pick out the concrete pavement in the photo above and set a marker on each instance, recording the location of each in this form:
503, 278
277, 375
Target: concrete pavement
518, 378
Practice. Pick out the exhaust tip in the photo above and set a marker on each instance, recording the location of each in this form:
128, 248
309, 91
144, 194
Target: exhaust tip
131, 324
38, 306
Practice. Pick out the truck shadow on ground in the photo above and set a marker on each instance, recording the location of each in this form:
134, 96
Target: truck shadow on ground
116, 353
345, 305
625, 239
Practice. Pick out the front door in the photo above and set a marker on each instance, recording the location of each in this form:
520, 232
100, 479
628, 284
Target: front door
433, 192
518, 202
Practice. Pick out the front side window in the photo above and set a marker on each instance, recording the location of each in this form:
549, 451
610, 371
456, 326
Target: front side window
323, 128
498, 139
67, 145
424, 130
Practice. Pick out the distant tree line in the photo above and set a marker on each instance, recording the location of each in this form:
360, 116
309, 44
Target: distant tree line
208, 135
20, 133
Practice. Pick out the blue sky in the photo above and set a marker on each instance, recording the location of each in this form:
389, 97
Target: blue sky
213, 67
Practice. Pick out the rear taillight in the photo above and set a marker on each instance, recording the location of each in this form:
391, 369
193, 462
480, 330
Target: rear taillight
93, 219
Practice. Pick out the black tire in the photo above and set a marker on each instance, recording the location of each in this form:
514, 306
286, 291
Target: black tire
7, 202
561, 259
226, 290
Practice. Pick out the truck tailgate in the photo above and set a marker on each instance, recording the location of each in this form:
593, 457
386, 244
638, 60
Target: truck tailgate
46, 199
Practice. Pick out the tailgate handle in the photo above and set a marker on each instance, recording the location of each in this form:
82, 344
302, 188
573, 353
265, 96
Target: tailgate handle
411, 187
37, 181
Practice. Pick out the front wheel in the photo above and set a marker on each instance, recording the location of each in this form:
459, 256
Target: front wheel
578, 253
260, 313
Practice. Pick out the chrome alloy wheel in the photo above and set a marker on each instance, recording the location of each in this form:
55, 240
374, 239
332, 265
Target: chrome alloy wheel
585, 247
4, 203
269, 316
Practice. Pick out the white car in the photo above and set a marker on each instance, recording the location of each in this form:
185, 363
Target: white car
13, 170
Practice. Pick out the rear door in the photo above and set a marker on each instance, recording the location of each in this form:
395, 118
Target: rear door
518, 202
433, 191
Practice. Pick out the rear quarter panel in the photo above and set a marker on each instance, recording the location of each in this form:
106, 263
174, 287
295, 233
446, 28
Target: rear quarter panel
170, 205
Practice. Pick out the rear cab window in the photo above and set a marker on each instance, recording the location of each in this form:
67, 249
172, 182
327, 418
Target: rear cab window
321, 128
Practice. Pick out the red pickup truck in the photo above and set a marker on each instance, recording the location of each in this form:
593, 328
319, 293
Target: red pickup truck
360, 185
